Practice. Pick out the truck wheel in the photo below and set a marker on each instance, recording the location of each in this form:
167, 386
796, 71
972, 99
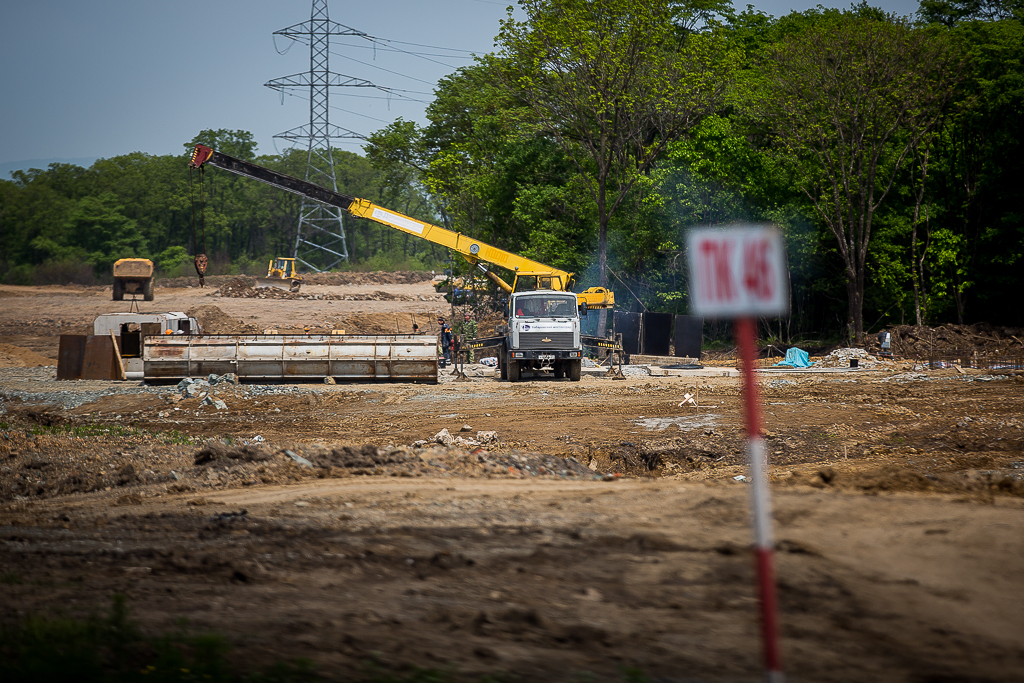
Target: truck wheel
558, 369
118, 290
575, 370
503, 363
147, 290
513, 371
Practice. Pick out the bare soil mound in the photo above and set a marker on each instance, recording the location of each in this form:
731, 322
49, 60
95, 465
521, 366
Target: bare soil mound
406, 277
246, 287
914, 340
237, 290
351, 278
388, 323
17, 357
215, 321
237, 286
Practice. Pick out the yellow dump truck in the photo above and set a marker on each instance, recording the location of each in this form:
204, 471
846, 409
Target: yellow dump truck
133, 276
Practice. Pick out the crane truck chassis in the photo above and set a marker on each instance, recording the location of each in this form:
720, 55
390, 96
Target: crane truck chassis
543, 332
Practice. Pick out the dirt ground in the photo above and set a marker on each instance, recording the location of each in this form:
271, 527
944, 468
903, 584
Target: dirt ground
569, 531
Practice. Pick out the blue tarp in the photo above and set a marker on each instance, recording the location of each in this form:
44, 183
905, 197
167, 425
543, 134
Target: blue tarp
796, 358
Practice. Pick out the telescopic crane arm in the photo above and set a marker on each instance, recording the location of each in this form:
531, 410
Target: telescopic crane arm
473, 250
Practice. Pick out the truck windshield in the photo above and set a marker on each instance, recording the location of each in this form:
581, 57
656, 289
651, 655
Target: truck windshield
546, 306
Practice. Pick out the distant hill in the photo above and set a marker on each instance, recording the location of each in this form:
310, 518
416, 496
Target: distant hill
7, 167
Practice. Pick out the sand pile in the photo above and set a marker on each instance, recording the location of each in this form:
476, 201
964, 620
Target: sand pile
17, 357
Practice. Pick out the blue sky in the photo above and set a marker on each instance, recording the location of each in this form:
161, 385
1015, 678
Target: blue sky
82, 80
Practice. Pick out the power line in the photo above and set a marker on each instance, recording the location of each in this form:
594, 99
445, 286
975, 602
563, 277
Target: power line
377, 48
374, 66
386, 41
375, 39
349, 111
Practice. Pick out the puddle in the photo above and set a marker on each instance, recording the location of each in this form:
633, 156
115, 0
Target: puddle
684, 422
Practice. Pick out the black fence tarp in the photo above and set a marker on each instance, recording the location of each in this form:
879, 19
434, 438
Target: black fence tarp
657, 333
628, 325
689, 335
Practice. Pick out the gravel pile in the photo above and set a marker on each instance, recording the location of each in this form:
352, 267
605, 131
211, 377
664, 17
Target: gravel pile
350, 278
905, 377
402, 277
40, 386
244, 287
68, 394
635, 370
840, 358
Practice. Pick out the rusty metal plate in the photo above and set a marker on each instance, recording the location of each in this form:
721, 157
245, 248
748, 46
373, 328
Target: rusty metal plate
70, 356
99, 361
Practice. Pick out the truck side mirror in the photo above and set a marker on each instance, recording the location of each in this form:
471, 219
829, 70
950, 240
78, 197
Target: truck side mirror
583, 309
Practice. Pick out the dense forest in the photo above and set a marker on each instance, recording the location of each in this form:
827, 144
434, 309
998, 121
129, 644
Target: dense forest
888, 150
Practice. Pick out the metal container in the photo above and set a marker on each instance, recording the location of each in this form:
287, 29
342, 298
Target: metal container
261, 357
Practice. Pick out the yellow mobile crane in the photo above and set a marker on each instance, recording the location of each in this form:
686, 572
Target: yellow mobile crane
544, 331
529, 274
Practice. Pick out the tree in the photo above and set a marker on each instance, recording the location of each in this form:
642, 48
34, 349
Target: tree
846, 101
953, 12
489, 176
96, 230
613, 84
975, 179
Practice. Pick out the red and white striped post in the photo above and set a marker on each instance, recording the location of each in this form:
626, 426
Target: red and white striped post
741, 273
760, 503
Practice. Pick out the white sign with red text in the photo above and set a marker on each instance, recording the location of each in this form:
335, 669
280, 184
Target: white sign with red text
737, 272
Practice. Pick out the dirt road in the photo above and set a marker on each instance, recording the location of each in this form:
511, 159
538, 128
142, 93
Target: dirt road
600, 529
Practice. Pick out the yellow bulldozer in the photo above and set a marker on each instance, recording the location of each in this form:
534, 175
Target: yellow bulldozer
281, 274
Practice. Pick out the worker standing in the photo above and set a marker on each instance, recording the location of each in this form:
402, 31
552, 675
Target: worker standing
885, 342
467, 328
447, 339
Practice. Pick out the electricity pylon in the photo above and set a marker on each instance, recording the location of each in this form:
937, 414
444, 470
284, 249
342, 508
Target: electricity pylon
320, 240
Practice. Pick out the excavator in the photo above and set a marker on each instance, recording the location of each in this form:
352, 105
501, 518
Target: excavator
528, 274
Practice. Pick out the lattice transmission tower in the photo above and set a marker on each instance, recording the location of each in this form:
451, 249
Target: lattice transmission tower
320, 240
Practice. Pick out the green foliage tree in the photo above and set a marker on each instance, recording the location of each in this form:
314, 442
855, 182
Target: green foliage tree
97, 231
30, 208
488, 175
845, 101
613, 84
172, 260
974, 185
953, 12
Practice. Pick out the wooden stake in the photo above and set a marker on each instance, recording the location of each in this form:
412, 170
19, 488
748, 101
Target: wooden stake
117, 355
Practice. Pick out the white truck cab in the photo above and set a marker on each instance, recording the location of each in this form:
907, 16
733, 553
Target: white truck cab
543, 335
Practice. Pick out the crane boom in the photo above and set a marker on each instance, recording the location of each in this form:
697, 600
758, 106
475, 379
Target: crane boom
473, 250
